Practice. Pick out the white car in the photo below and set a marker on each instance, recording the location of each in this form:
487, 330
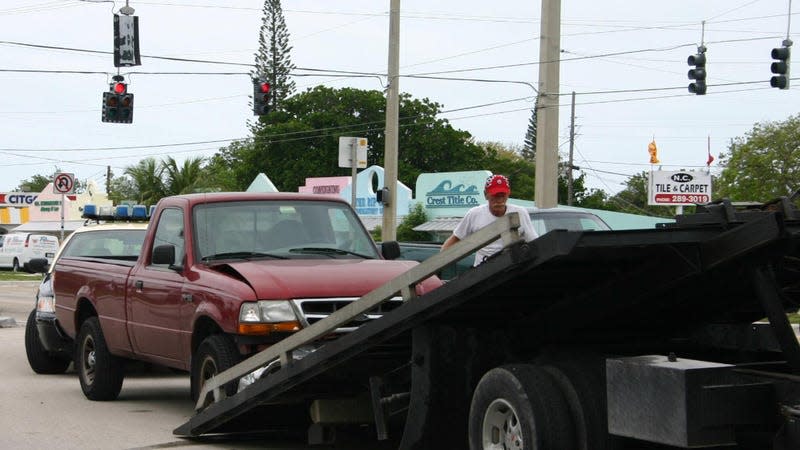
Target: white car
17, 249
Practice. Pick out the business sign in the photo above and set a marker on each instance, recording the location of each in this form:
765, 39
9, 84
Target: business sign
17, 198
451, 194
678, 187
347, 145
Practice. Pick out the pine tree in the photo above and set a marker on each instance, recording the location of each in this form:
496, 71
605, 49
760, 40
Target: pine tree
272, 60
529, 149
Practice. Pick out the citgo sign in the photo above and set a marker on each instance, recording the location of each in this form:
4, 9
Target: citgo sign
17, 198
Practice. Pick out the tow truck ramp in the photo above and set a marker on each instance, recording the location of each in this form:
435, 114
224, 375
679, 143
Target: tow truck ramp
719, 266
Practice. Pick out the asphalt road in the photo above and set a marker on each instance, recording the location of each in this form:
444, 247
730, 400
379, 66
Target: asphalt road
50, 411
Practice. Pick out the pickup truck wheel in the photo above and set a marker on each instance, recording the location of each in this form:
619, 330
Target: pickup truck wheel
41, 360
216, 354
519, 407
99, 372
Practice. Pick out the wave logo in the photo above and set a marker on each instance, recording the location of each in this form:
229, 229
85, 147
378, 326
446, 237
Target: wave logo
446, 188
445, 195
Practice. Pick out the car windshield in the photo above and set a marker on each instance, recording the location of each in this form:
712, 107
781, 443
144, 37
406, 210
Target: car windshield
566, 220
278, 229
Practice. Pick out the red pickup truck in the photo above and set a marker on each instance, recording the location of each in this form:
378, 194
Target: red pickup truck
220, 276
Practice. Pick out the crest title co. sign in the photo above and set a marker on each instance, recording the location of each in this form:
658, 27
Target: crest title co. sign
678, 187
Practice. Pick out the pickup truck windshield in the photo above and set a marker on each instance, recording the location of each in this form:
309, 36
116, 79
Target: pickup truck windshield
278, 228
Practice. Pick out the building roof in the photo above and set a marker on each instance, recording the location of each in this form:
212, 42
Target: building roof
41, 226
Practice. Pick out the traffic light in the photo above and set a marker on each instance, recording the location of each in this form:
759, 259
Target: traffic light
117, 104
780, 67
698, 74
260, 97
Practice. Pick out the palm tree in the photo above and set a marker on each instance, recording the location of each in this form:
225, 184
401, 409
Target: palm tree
146, 178
184, 179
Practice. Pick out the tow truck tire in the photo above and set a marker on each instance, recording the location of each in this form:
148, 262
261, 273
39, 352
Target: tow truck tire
41, 361
215, 354
519, 407
100, 373
584, 389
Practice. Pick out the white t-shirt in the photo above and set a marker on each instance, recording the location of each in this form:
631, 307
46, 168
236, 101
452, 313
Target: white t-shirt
480, 216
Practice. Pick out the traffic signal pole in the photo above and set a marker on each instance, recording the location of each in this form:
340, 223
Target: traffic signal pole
546, 184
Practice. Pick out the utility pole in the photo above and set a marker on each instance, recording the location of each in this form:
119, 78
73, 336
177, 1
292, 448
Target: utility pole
388, 230
546, 186
571, 148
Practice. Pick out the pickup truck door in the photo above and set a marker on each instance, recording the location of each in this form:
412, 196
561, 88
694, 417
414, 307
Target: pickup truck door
155, 296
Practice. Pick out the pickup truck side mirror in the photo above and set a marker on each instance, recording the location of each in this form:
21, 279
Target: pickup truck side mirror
38, 265
164, 254
390, 249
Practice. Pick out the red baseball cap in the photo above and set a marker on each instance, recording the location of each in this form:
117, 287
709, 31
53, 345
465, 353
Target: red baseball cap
496, 184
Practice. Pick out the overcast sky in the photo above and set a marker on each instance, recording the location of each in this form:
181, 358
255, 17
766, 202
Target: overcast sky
50, 116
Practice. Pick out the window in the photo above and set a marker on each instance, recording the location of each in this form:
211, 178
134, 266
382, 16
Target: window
170, 232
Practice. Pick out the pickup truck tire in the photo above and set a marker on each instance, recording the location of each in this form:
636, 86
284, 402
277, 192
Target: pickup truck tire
100, 373
215, 354
41, 360
519, 407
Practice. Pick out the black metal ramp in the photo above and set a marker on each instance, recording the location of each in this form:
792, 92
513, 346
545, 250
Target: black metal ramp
562, 284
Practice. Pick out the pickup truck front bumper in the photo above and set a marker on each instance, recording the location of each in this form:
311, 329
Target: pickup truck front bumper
52, 336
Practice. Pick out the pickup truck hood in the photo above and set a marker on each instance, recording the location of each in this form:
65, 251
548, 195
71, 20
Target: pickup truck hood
319, 278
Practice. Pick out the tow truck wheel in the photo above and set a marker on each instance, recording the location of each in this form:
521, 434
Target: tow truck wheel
216, 354
583, 384
519, 407
41, 360
100, 373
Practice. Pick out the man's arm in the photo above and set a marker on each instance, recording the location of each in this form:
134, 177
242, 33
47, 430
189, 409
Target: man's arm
449, 242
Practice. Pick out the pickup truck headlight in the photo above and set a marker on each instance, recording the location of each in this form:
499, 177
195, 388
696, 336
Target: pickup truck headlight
266, 316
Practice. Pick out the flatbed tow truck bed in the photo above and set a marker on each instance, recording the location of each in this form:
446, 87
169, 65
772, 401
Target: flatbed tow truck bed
693, 288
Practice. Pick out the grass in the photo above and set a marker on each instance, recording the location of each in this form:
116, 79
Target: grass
8, 275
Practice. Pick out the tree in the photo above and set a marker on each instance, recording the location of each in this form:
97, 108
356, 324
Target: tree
150, 180
303, 141
146, 177
529, 148
272, 59
763, 165
417, 216
184, 179
633, 199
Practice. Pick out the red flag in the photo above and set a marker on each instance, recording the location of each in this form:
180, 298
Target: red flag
710, 158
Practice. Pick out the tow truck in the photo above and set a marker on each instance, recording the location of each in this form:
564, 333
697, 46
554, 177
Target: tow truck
650, 338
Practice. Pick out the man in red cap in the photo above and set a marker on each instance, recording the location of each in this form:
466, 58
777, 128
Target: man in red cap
496, 192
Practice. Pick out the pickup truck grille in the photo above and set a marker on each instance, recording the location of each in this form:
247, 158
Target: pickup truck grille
312, 310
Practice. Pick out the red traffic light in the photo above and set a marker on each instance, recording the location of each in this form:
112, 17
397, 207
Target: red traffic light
264, 86
120, 88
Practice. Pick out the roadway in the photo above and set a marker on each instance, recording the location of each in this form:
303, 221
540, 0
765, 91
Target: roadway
50, 411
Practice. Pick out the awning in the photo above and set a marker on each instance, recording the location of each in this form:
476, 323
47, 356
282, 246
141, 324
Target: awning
50, 227
439, 224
